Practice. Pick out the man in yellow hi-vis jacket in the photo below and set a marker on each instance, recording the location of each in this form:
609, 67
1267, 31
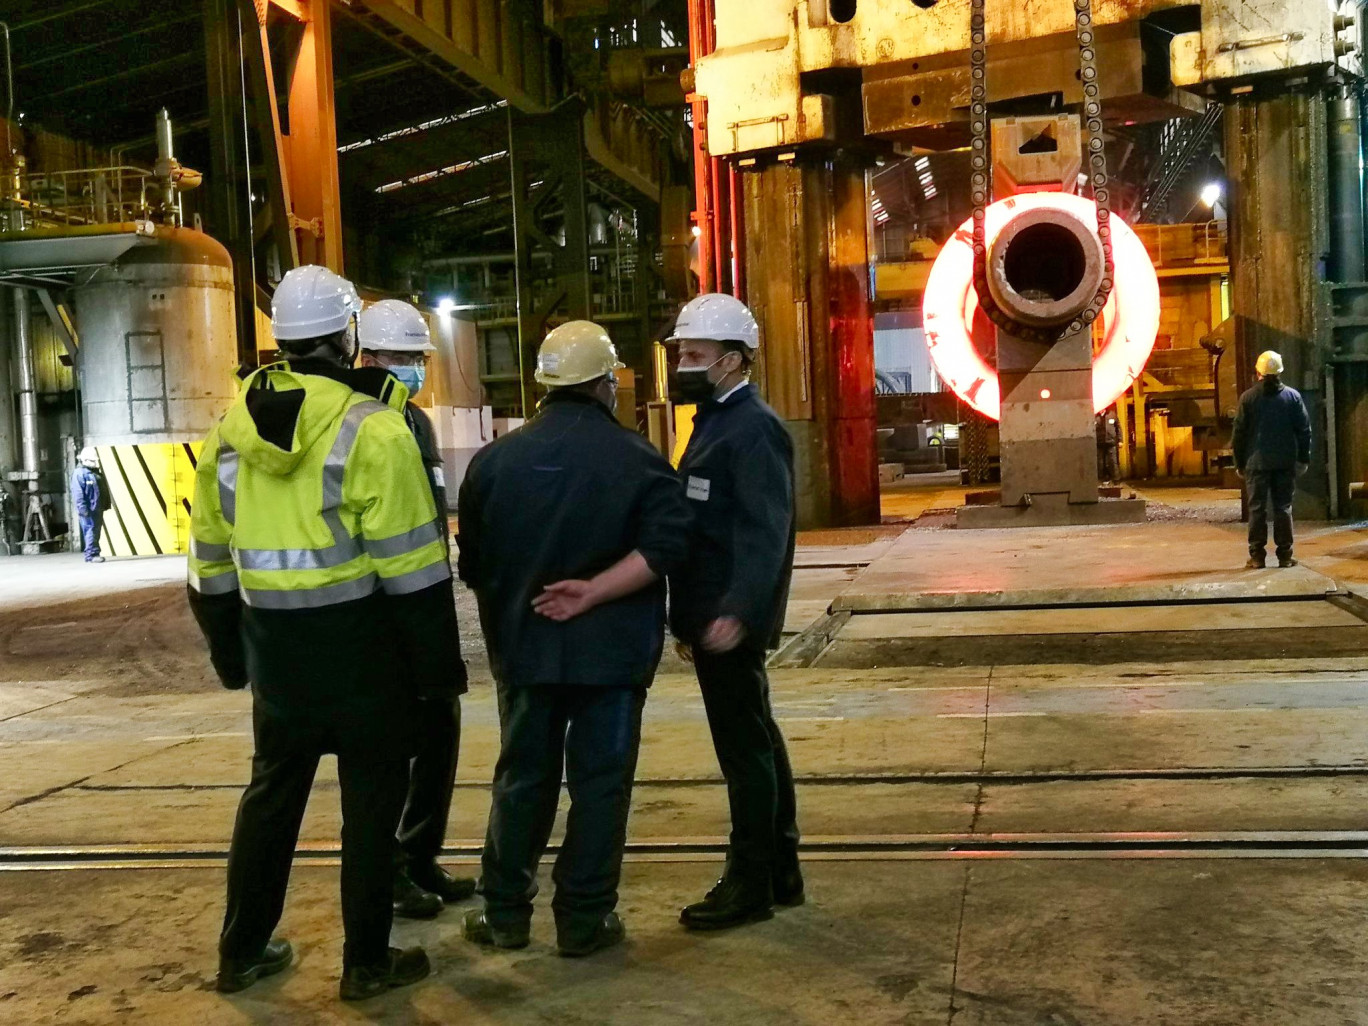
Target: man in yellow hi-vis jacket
319, 575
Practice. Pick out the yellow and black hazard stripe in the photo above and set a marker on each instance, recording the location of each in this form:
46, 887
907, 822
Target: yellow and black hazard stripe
150, 488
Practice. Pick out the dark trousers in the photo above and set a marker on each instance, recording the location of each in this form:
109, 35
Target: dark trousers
432, 778
90, 536
372, 782
1275, 487
594, 735
753, 758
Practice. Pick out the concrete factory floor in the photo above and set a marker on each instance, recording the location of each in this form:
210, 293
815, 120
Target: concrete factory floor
1034, 832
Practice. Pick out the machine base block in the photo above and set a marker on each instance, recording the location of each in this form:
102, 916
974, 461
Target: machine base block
1044, 513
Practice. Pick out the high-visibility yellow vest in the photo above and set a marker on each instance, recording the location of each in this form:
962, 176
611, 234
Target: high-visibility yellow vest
345, 512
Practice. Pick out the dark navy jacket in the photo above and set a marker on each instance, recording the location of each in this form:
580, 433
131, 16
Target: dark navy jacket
738, 475
85, 493
566, 496
1272, 428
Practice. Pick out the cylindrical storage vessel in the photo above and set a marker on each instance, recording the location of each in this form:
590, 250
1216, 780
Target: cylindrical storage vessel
157, 356
157, 341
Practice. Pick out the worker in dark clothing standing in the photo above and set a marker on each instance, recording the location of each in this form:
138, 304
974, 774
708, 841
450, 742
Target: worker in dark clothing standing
88, 502
727, 601
568, 527
395, 341
1272, 443
319, 576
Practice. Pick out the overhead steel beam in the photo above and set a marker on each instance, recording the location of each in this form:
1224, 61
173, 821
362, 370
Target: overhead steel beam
490, 41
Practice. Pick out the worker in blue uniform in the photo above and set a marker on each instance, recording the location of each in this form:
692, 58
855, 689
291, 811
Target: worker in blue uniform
1272, 443
87, 500
727, 601
568, 528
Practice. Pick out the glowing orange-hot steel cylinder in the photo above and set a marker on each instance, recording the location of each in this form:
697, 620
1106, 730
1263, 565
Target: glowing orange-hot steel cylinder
953, 323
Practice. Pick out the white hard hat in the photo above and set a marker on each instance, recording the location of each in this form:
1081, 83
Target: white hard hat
89, 457
575, 352
719, 317
394, 326
1269, 362
311, 302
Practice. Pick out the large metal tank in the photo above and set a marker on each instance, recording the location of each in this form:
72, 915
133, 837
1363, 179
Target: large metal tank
156, 362
157, 341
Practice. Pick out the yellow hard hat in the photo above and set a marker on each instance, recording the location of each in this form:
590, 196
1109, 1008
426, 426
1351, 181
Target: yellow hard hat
575, 352
1269, 362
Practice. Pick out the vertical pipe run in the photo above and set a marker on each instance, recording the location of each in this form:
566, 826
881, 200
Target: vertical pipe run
1346, 188
700, 33
28, 388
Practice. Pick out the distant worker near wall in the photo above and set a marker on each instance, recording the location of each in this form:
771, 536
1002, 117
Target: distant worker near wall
568, 528
89, 500
727, 602
395, 341
319, 576
1272, 442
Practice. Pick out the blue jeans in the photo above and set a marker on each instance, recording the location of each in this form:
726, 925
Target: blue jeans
90, 537
593, 734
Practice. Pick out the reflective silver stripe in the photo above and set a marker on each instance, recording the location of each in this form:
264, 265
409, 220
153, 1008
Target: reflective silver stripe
219, 584
416, 580
210, 552
298, 559
397, 545
345, 548
311, 598
227, 480
335, 466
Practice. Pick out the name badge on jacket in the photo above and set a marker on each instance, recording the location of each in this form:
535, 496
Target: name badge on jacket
698, 488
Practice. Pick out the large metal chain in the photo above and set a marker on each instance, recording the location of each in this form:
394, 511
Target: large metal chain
1094, 161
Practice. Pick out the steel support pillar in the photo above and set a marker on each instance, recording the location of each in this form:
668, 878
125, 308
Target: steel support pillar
807, 260
1276, 150
228, 185
310, 144
548, 149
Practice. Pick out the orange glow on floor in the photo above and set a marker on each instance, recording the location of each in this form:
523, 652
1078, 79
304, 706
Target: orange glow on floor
1130, 320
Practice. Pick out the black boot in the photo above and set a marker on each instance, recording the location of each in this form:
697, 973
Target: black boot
1286, 561
788, 885
238, 974
398, 970
1255, 562
479, 929
735, 900
412, 901
578, 941
436, 880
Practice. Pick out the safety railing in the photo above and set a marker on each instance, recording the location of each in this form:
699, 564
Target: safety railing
1185, 245
83, 196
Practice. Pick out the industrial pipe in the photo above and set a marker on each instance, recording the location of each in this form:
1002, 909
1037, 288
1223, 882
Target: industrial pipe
1045, 267
28, 389
1346, 187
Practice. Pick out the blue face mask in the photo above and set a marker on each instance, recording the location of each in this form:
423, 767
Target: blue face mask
411, 377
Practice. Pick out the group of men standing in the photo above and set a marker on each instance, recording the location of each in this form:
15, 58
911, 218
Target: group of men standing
319, 572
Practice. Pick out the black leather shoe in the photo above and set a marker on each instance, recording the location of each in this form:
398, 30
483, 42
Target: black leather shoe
399, 970
436, 880
788, 887
1255, 563
1285, 563
477, 928
577, 941
236, 974
411, 901
735, 900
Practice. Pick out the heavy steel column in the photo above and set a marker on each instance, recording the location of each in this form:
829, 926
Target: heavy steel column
1276, 161
807, 262
228, 187
549, 148
311, 144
